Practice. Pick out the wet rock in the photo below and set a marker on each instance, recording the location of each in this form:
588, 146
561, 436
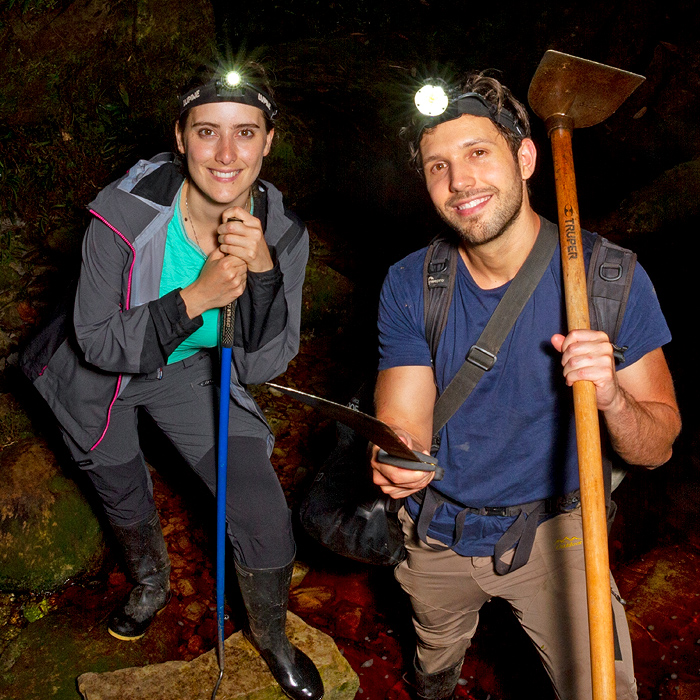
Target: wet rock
43, 662
178, 562
670, 199
675, 689
195, 611
10, 317
6, 344
299, 573
663, 609
14, 422
348, 623
311, 598
186, 587
246, 674
48, 531
325, 297
195, 645
27, 312
8, 277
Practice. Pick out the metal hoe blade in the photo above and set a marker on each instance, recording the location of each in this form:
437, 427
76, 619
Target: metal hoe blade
585, 91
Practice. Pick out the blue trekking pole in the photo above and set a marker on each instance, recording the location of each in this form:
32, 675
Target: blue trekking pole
227, 319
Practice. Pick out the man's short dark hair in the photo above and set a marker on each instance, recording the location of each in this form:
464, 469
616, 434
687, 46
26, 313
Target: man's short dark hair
498, 96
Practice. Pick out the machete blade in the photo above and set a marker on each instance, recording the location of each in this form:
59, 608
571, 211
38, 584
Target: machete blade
369, 427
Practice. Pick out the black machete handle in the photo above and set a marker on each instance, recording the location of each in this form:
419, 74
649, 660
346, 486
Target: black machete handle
427, 463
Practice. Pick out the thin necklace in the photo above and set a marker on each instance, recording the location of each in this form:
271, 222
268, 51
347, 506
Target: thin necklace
189, 218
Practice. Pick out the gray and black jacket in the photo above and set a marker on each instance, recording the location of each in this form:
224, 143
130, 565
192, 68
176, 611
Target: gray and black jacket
121, 327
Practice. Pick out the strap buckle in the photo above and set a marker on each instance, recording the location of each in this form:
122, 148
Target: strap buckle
483, 359
501, 511
619, 352
610, 271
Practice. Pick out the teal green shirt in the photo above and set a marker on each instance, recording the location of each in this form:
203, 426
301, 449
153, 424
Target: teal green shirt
182, 264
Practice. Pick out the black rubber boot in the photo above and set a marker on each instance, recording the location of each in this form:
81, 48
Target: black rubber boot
265, 593
148, 563
435, 686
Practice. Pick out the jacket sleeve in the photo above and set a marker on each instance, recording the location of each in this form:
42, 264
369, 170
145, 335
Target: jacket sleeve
113, 336
268, 317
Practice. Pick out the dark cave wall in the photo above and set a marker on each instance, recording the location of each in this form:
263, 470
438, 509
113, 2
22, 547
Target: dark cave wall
89, 87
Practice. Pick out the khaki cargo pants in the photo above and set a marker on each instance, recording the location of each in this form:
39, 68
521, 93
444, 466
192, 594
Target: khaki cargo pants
548, 596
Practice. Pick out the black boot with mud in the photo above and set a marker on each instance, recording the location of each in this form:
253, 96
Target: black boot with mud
148, 563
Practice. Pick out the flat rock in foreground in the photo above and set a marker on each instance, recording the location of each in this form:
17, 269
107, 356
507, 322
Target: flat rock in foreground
246, 675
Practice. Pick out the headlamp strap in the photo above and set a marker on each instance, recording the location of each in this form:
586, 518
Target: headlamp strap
218, 91
473, 103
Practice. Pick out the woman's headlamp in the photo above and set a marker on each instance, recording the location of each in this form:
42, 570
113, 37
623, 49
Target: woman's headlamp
230, 87
436, 106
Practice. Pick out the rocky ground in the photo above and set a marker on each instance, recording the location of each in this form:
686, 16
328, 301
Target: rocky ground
47, 641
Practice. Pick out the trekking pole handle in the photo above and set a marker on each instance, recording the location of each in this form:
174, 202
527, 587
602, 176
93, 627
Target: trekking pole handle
228, 314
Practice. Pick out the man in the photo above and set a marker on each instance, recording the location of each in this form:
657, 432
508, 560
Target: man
513, 441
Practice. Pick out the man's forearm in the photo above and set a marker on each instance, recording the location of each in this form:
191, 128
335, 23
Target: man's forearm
642, 433
404, 399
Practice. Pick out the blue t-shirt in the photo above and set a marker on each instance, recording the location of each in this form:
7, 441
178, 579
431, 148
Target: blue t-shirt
513, 441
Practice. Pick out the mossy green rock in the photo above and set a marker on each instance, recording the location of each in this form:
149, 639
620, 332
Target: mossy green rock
48, 531
43, 662
326, 295
671, 199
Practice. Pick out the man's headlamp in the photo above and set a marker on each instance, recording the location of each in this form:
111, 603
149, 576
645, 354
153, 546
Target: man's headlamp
230, 87
434, 103
431, 100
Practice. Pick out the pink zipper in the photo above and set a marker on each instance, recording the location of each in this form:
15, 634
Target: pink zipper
128, 301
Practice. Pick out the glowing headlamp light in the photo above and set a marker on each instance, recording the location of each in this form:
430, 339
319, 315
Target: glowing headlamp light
431, 100
229, 87
233, 79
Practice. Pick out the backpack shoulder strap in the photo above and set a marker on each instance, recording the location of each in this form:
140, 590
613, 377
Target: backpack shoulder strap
483, 354
439, 269
609, 279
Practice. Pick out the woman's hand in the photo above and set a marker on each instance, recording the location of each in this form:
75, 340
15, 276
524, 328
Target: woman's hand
222, 279
241, 235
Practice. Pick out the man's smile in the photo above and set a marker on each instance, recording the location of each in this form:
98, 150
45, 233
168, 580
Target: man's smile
471, 204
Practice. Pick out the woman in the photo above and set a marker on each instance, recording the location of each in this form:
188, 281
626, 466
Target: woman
164, 252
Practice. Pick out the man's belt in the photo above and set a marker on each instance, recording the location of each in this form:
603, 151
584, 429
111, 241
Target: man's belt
521, 533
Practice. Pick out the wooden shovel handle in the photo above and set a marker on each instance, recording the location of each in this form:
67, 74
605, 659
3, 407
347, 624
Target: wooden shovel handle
595, 532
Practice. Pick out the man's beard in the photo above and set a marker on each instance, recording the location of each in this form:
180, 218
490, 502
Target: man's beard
480, 231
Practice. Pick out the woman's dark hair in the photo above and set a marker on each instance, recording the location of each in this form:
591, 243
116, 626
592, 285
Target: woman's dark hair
497, 95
